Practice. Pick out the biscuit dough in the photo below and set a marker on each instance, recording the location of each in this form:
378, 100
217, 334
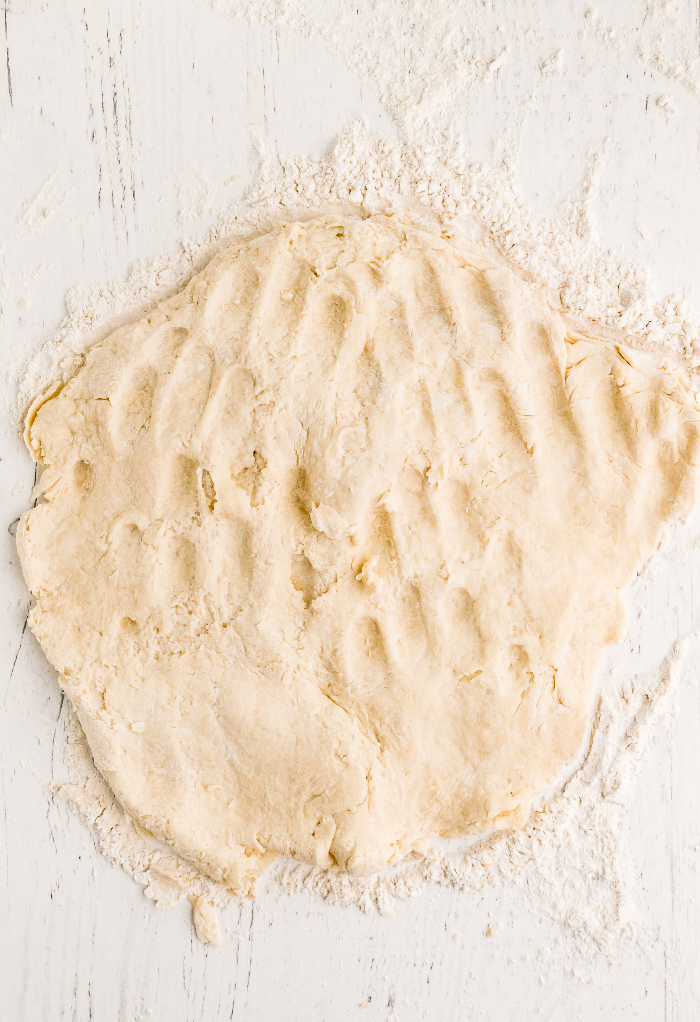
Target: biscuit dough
332, 540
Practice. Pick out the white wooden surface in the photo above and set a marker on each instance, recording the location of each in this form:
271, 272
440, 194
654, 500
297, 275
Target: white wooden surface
111, 116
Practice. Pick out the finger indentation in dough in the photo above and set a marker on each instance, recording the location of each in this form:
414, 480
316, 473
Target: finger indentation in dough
368, 666
132, 403
474, 456
84, 476
180, 488
178, 566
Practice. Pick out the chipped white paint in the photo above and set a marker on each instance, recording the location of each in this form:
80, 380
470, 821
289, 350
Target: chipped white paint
118, 119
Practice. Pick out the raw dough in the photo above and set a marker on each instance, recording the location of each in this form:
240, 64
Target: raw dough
332, 540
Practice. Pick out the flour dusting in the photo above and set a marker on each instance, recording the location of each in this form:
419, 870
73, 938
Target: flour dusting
572, 855
435, 187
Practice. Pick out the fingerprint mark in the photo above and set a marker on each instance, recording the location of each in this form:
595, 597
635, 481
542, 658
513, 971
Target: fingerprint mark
181, 489
416, 531
239, 548
673, 490
169, 342
129, 543
185, 395
462, 518
228, 577
370, 381
326, 319
368, 667
228, 413
381, 539
430, 308
518, 658
84, 476
132, 570
133, 403
463, 639
655, 409
622, 412
178, 559
413, 627
504, 419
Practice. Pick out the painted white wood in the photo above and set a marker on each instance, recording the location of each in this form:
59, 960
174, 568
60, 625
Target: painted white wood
114, 119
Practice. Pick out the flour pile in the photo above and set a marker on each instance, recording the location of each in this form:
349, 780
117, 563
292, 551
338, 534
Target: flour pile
572, 854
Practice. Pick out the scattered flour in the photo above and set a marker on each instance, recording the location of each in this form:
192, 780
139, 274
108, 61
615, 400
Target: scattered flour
664, 45
196, 194
572, 856
552, 65
417, 57
38, 210
436, 187
602, 31
684, 69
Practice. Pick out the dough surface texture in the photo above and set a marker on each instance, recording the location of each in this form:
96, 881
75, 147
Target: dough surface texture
331, 543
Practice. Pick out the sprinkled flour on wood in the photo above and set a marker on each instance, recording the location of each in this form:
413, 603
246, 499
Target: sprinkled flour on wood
572, 855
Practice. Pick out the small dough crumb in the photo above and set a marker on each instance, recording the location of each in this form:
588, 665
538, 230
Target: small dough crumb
206, 922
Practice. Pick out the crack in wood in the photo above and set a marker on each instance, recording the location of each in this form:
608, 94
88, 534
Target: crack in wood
7, 58
14, 662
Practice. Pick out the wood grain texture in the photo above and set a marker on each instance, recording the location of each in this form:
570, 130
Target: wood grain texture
120, 126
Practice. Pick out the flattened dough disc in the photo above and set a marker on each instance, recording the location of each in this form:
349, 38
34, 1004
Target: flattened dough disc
332, 541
